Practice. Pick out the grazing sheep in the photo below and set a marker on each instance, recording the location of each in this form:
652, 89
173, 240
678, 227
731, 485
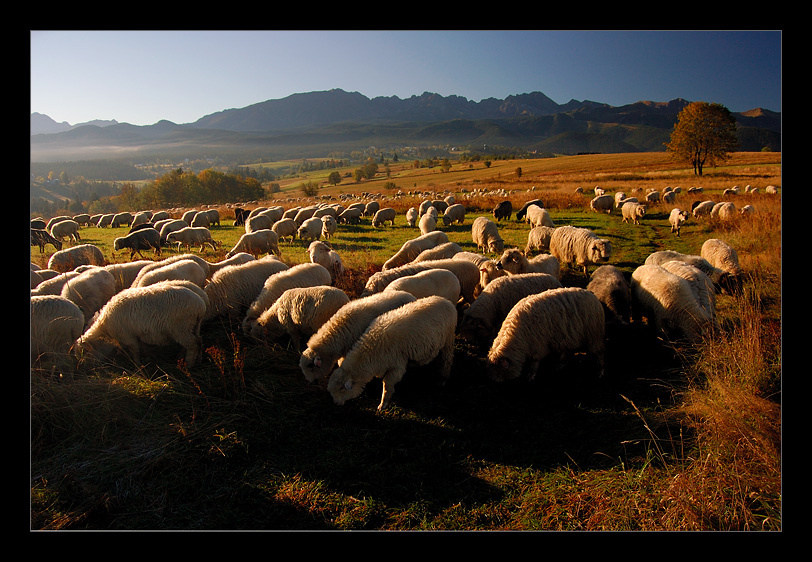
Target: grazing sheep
466, 271
771, 189
325, 256
83, 219
256, 243
703, 209
304, 214
301, 275
514, 262
53, 285
240, 215
275, 213
723, 257
488, 271
40, 237
669, 196
668, 303
142, 239
192, 236
439, 282
171, 226
258, 222
285, 227
554, 323
476, 259
350, 216
676, 219
454, 214
440, 205
141, 217
161, 315
236, 259
339, 333
232, 289
503, 210
121, 219
701, 285
485, 234
411, 217
609, 284
371, 208
66, 229
538, 239
105, 220
90, 290
633, 212
412, 248
382, 216
539, 216
186, 270
423, 208
328, 226
428, 223
420, 332
653, 197
299, 313
310, 229
439, 252
579, 246
201, 219
71, 258
602, 204
523, 211
56, 323
160, 216
662, 256
747, 210
125, 273
481, 321
214, 217
725, 211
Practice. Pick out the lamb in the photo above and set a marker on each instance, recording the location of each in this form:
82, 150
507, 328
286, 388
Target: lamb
668, 303
538, 239
328, 226
411, 217
676, 219
299, 313
602, 204
256, 243
439, 252
40, 237
723, 257
338, 334
439, 282
302, 275
428, 223
322, 254
192, 236
232, 289
90, 290
56, 323
481, 321
579, 246
66, 229
538, 216
161, 314
633, 212
485, 234
609, 284
412, 248
421, 332
138, 240
71, 258
556, 322
523, 211
703, 209
466, 272
188, 270
503, 210
284, 228
454, 214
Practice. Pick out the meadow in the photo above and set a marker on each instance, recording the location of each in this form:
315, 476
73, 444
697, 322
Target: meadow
672, 438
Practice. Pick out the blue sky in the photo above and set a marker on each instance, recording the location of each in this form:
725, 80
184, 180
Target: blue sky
141, 77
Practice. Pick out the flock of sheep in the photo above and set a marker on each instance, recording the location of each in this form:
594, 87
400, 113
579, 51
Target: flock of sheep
509, 302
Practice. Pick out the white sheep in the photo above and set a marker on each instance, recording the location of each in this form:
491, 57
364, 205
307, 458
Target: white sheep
310, 229
418, 332
54, 285
579, 246
703, 209
56, 323
411, 217
662, 256
299, 313
724, 211
701, 285
668, 303
382, 216
232, 289
747, 210
454, 214
428, 223
258, 222
125, 273
236, 259
371, 208
285, 227
67, 228
90, 290
439, 282
325, 256
412, 248
554, 323
201, 219
538, 239
539, 216
676, 219
602, 204
188, 270
71, 258
609, 284
473, 257
481, 321
633, 212
466, 272
514, 262
350, 216
723, 257
171, 226
301, 275
439, 252
485, 234
191, 236
122, 219
653, 197
256, 243
328, 226
339, 333
161, 314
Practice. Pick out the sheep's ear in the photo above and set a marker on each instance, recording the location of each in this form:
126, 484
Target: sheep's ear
317, 361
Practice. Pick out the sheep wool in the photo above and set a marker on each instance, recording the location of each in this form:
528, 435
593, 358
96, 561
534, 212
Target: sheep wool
701, 285
186, 270
421, 332
485, 234
232, 289
579, 246
256, 243
439, 282
554, 323
662, 256
71, 258
412, 248
538, 239
676, 219
633, 212
609, 284
339, 333
56, 323
539, 216
90, 290
439, 252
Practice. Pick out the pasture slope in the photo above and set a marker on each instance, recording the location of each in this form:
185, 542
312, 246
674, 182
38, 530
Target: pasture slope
243, 442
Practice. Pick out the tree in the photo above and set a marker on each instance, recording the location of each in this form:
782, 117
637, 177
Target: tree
334, 178
704, 134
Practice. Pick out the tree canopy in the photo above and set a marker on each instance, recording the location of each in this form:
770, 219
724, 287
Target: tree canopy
704, 134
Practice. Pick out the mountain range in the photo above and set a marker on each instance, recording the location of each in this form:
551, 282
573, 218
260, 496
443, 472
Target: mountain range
320, 123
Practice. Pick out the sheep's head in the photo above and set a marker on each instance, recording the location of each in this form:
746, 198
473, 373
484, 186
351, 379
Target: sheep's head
342, 387
512, 261
600, 250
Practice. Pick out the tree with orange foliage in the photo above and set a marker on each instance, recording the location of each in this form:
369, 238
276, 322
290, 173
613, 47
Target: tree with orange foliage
704, 134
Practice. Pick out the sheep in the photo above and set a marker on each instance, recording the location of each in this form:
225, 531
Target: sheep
71, 258
725, 211
514, 262
125, 273
609, 284
771, 189
256, 243
54, 284
299, 312
90, 290
301, 275
723, 257
466, 271
382, 216
105, 220
191, 236
304, 214
703, 209
240, 215
619, 204
454, 214
275, 213
232, 289
284, 228
40, 237
258, 222
160, 216
188, 270
412, 248
55, 220
488, 271
653, 197
138, 240
423, 207
371, 208
439, 282
669, 196
141, 217
428, 223
420, 332
328, 226
701, 285
214, 217
439, 205
602, 204
539, 216
83, 219
668, 303
747, 210
523, 211
66, 229
340, 332
411, 217
350, 216
633, 212
476, 259
322, 254
538, 239
676, 219
662, 256
481, 321
161, 314
39, 224
439, 252
310, 229
171, 226
236, 259
56, 323
554, 323
485, 234
200, 219
503, 210
579, 246
121, 219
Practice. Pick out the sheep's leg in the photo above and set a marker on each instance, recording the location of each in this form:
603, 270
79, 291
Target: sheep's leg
192, 343
390, 379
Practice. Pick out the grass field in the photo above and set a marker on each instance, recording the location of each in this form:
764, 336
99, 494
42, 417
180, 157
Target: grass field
671, 439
